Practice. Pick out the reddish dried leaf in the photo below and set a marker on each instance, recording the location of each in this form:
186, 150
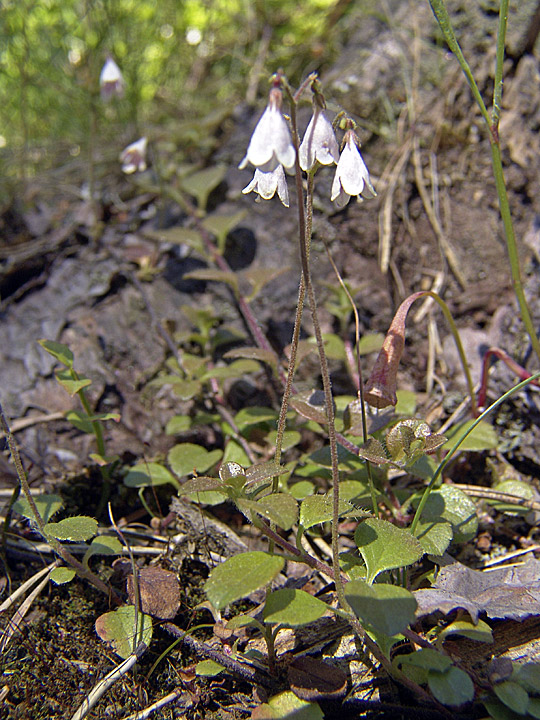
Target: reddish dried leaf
313, 680
159, 592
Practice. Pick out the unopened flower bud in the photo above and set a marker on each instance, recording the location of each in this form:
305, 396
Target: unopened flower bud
267, 183
380, 389
111, 81
352, 176
133, 157
271, 142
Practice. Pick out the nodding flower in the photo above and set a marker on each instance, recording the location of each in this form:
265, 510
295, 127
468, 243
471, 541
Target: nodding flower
267, 183
111, 81
352, 176
133, 157
319, 143
271, 142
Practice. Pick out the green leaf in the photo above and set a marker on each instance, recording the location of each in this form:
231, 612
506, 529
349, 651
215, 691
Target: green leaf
249, 416
83, 422
47, 506
310, 404
103, 460
498, 711
374, 451
214, 275
513, 696
178, 236
61, 352
300, 490
203, 484
435, 536
187, 458
201, 183
259, 277
528, 676
236, 369
149, 475
534, 707
371, 342
406, 403
118, 628
385, 547
255, 353
62, 575
480, 632
208, 668
186, 389
279, 508
292, 608
290, 439
286, 706
241, 575
451, 504
427, 659
483, 437
103, 545
452, 687
388, 609
512, 487
70, 385
74, 529
220, 225
178, 424
316, 509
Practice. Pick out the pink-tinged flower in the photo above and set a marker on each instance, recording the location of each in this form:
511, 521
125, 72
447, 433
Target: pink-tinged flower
271, 142
111, 81
133, 157
265, 184
319, 143
352, 176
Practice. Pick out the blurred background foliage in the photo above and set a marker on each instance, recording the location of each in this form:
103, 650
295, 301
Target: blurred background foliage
181, 60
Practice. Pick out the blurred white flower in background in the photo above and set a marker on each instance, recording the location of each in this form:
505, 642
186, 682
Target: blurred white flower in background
111, 81
133, 157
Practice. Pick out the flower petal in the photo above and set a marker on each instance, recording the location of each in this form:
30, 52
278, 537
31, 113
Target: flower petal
319, 143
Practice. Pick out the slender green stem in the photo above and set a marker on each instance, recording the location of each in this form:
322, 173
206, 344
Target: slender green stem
498, 85
511, 246
492, 125
458, 442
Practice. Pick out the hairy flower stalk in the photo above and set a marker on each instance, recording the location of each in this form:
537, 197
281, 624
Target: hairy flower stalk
271, 143
352, 176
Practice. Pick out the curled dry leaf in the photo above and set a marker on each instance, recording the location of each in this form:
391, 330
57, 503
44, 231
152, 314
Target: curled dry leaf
159, 592
314, 680
512, 592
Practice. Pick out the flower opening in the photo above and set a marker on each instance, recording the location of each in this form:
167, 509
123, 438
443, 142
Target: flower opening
352, 176
319, 143
266, 184
133, 157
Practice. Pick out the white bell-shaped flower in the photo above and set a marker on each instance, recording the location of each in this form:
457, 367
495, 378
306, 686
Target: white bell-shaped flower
319, 143
271, 143
111, 81
352, 176
133, 157
266, 184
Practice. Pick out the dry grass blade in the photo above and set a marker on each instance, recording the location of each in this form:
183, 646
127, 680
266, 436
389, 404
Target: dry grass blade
173, 696
19, 615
